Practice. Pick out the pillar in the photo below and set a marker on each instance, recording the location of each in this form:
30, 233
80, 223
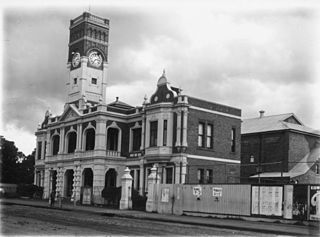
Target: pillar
46, 184
43, 149
142, 180
135, 179
178, 166
178, 137
184, 130
79, 137
98, 182
76, 183
142, 133
160, 133
100, 139
59, 186
126, 184
152, 200
35, 177
61, 144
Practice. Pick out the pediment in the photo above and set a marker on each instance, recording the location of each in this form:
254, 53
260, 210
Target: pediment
70, 113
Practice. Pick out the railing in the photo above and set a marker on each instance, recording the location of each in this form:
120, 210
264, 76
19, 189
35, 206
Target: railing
113, 153
135, 154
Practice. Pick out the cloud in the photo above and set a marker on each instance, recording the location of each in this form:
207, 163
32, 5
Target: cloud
251, 59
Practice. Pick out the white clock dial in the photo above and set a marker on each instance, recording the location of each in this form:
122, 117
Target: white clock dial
76, 60
95, 59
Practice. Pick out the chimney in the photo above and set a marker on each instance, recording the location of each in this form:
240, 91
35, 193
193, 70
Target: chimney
117, 98
261, 113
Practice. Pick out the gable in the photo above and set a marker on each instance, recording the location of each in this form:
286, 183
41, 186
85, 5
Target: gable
293, 120
69, 114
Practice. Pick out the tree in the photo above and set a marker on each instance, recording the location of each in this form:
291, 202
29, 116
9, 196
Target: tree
16, 167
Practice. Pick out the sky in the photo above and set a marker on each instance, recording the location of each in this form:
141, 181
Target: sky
261, 57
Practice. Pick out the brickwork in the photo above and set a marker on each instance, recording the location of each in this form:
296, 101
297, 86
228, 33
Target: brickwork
222, 126
222, 172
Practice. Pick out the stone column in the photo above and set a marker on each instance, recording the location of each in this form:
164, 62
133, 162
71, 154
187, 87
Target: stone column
160, 133
61, 144
152, 200
178, 137
98, 181
59, 187
100, 139
142, 133
184, 130
126, 184
178, 166
184, 170
48, 143
147, 134
76, 183
43, 149
79, 137
141, 186
135, 179
35, 177
46, 184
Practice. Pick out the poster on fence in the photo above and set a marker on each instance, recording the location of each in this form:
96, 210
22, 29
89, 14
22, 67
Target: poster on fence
216, 192
197, 191
314, 202
266, 200
165, 194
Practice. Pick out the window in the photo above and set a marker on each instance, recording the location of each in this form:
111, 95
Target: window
74, 80
39, 150
112, 139
153, 133
165, 122
317, 168
55, 144
201, 135
94, 81
209, 136
90, 139
169, 175
136, 139
72, 141
201, 176
209, 176
233, 139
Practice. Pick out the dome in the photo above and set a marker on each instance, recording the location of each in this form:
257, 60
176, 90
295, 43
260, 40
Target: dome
162, 80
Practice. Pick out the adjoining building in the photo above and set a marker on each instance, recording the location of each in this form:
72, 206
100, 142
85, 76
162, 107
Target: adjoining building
279, 149
92, 142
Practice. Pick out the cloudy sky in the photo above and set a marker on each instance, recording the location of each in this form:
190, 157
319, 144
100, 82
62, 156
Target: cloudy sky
253, 58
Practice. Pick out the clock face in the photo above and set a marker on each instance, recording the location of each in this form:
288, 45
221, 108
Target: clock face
95, 58
76, 60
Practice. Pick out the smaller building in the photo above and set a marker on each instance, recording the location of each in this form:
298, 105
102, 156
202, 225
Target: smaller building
279, 149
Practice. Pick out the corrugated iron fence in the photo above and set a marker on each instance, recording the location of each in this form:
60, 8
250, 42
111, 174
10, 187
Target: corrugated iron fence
299, 202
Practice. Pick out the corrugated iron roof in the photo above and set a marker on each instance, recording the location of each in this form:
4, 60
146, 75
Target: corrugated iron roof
274, 123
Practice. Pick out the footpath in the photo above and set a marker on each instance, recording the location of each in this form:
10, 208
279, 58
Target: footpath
253, 224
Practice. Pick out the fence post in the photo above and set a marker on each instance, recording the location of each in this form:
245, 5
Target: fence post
151, 205
126, 183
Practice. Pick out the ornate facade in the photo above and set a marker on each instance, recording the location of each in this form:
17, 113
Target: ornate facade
91, 142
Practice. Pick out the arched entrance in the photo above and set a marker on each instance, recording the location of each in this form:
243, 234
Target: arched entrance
54, 180
87, 177
68, 183
72, 141
111, 178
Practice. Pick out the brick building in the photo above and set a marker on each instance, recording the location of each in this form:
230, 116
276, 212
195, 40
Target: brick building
91, 142
279, 148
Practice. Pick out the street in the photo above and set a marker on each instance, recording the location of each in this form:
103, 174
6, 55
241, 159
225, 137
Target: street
25, 220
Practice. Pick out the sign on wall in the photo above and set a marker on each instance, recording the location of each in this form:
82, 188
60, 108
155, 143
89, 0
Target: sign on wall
314, 202
216, 192
267, 200
165, 194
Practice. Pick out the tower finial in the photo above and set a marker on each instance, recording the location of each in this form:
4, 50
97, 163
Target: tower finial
164, 73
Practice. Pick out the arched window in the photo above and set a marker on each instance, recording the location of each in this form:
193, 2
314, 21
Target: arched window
90, 139
111, 178
112, 139
55, 144
72, 141
87, 177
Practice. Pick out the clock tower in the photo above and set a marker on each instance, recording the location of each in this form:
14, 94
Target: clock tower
88, 60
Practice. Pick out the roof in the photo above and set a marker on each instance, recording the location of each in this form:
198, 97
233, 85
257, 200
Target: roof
274, 123
302, 167
121, 105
